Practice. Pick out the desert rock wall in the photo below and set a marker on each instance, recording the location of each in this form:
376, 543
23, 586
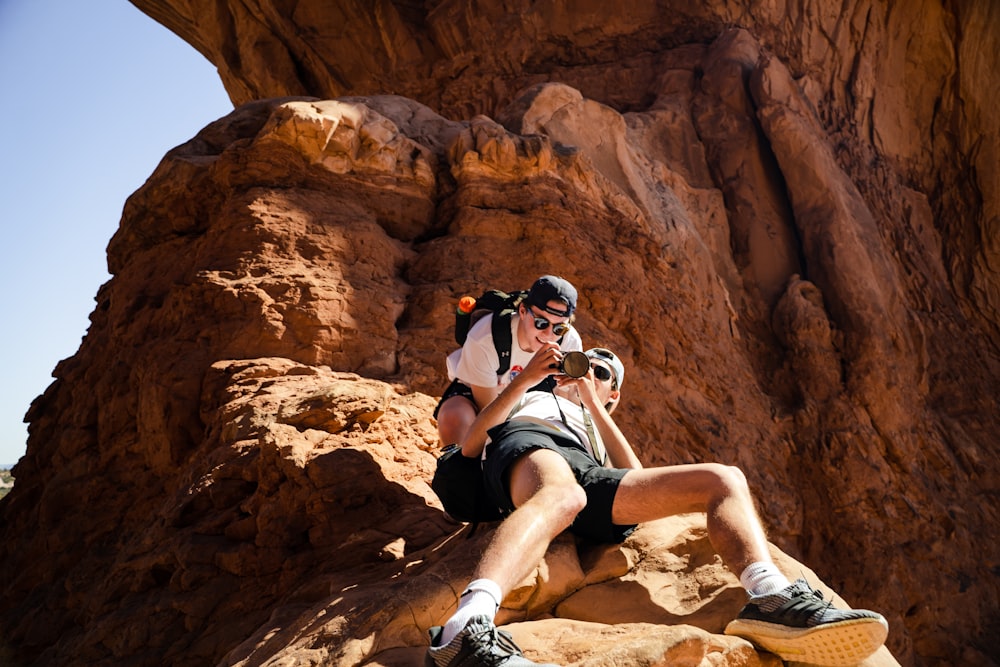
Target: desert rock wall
782, 220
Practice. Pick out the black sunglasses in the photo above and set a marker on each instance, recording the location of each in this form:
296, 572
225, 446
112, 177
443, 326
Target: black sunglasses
602, 373
542, 324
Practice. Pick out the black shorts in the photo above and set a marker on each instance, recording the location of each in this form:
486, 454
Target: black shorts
511, 440
456, 388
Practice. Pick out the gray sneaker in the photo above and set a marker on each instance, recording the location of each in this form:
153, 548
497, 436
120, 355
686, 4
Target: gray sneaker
799, 625
479, 644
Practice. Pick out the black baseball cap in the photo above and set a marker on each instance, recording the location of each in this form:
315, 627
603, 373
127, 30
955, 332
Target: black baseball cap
552, 288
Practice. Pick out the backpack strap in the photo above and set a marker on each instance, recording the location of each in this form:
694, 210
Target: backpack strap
502, 339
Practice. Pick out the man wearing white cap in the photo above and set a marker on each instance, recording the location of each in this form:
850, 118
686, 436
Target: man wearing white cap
557, 461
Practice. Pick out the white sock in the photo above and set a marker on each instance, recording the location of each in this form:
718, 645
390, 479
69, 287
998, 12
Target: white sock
763, 578
482, 597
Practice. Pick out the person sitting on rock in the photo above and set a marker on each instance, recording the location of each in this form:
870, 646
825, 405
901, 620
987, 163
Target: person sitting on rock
545, 315
543, 466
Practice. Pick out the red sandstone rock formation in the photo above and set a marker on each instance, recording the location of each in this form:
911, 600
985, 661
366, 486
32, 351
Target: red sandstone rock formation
787, 230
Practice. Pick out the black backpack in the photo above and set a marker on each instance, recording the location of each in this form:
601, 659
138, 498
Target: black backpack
502, 305
458, 482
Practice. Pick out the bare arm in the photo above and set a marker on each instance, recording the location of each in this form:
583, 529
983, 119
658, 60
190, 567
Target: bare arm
620, 452
499, 408
484, 395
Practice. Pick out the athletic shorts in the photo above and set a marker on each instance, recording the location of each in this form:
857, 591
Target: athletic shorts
456, 388
511, 440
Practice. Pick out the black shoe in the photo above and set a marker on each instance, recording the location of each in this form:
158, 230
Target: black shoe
479, 644
799, 625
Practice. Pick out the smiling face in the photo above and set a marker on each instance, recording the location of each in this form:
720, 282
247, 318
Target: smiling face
538, 326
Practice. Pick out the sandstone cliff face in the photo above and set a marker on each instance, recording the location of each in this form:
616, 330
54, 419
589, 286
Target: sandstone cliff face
787, 231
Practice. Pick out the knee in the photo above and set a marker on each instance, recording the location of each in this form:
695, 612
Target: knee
454, 418
576, 499
563, 500
572, 501
730, 480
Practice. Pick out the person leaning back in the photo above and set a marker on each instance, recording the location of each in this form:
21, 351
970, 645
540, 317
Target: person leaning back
557, 460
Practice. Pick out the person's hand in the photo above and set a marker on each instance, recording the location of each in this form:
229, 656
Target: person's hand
544, 362
585, 386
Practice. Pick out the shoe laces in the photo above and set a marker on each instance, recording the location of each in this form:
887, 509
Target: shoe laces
806, 598
494, 638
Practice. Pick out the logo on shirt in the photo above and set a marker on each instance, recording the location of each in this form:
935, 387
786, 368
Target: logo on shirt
515, 371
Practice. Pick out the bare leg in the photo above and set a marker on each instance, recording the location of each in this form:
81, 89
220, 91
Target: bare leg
454, 418
721, 491
547, 498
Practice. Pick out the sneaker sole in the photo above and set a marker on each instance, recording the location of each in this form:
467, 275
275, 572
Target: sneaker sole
838, 644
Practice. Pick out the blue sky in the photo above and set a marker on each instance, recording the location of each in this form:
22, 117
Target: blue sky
93, 95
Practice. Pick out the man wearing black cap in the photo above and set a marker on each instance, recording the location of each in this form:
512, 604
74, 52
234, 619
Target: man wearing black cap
544, 316
557, 461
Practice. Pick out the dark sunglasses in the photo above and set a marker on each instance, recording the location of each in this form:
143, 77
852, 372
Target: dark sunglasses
542, 324
602, 373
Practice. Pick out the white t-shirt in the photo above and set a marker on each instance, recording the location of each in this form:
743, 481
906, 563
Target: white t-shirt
477, 361
541, 407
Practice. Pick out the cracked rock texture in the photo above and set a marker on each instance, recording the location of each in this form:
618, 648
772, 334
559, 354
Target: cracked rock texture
782, 215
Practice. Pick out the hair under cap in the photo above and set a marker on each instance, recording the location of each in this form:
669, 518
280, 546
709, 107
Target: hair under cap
608, 357
552, 288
